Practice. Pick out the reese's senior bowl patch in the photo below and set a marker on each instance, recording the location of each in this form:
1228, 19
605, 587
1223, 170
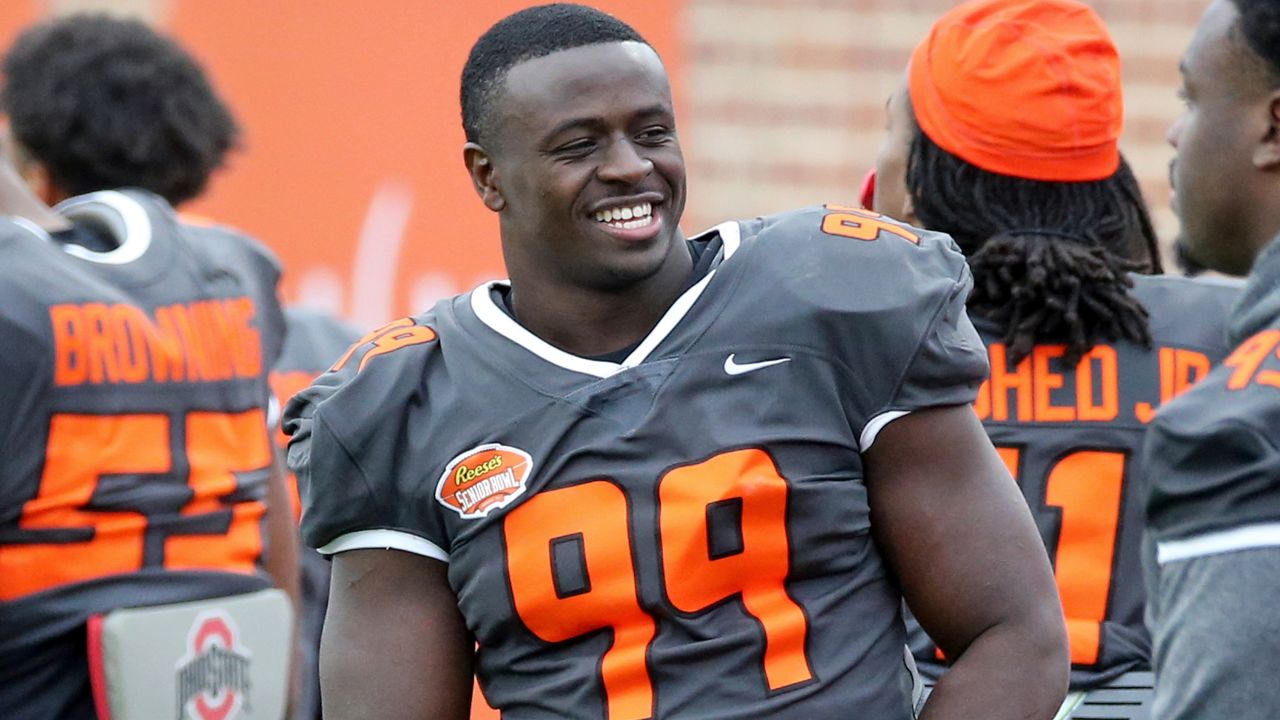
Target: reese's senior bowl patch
483, 479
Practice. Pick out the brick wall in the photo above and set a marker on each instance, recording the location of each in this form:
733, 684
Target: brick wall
783, 101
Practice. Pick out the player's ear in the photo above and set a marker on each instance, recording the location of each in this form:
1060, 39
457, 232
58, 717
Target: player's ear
1266, 155
484, 176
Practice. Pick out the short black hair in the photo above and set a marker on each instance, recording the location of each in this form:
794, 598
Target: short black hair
1050, 260
106, 102
531, 33
1259, 23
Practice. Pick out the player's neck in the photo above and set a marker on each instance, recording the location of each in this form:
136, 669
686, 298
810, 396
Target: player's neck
17, 199
588, 321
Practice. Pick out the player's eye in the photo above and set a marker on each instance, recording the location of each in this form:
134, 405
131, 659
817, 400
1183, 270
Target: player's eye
575, 149
654, 135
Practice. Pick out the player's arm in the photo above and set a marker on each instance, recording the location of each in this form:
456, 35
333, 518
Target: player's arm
955, 529
395, 646
282, 534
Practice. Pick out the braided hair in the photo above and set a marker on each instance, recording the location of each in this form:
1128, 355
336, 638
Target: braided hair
1050, 260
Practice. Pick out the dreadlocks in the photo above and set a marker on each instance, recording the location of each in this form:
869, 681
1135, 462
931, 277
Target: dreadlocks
1050, 260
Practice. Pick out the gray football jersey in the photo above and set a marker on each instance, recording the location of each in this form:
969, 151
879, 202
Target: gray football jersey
1071, 436
684, 534
1213, 455
133, 443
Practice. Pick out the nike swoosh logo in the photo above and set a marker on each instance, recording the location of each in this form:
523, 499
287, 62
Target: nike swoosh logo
734, 368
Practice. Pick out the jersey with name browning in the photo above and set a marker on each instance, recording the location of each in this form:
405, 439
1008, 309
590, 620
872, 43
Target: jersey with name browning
684, 534
1213, 455
133, 448
1071, 435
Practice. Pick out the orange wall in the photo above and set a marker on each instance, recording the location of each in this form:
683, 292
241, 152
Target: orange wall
352, 170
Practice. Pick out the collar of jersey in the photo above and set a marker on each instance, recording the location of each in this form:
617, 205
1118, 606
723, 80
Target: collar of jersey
123, 217
490, 314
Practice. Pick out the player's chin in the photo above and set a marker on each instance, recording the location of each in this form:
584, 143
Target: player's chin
633, 265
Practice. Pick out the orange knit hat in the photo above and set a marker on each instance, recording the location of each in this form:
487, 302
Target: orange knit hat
1028, 88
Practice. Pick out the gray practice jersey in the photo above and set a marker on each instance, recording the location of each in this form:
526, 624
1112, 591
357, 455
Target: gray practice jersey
134, 452
683, 534
1071, 435
1214, 454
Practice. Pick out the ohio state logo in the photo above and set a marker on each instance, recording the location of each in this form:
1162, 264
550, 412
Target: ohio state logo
213, 677
483, 479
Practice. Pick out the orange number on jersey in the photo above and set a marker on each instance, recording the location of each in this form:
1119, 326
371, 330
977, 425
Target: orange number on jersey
219, 445
388, 338
1086, 486
558, 524
1247, 358
745, 484
84, 448
859, 224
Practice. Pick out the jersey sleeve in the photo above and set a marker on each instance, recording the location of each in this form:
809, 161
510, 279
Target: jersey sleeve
1213, 466
357, 455
887, 302
950, 361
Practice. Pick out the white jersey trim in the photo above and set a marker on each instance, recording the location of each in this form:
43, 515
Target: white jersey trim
1247, 537
875, 425
493, 316
384, 540
120, 215
30, 227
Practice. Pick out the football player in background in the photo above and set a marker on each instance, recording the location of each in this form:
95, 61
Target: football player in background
314, 341
137, 466
1004, 134
664, 477
1213, 455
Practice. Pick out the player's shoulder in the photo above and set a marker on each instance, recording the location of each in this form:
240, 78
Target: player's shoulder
308, 321
384, 369
1173, 294
867, 231
1189, 312
844, 259
220, 239
20, 242
849, 245
313, 339
1244, 389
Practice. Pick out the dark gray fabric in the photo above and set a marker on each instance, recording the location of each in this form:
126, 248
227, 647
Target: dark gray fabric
1215, 620
1213, 462
1259, 306
43, 661
1187, 316
864, 328
1213, 455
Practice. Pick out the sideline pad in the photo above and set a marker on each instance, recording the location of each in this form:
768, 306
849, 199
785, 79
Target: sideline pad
220, 659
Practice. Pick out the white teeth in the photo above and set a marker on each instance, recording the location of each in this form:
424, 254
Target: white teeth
634, 216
